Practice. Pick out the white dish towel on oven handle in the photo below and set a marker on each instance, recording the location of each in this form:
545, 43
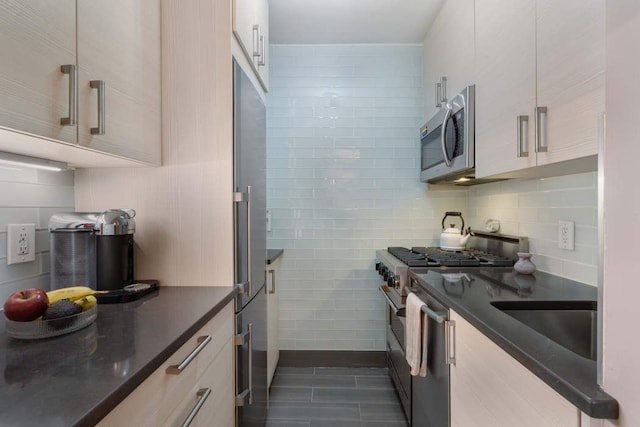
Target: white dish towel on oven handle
416, 336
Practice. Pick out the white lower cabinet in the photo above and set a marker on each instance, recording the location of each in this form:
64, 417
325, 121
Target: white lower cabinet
273, 349
491, 388
168, 399
210, 401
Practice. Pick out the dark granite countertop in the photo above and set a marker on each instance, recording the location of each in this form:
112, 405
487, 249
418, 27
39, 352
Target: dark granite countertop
78, 378
273, 254
572, 376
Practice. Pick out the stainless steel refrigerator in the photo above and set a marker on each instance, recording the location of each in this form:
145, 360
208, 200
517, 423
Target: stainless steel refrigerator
249, 136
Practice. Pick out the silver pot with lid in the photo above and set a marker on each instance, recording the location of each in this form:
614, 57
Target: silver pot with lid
94, 249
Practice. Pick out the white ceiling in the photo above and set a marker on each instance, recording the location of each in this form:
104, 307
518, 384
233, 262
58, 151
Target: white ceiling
350, 21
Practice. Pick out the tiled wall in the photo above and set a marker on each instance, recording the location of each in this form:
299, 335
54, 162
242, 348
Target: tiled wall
30, 196
343, 181
533, 208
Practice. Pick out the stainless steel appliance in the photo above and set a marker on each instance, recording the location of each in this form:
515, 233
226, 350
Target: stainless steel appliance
448, 139
92, 248
249, 136
425, 400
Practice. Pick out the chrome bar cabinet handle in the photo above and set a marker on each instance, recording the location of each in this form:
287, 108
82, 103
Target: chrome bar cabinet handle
523, 138
273, 281
438, 92
450, 342
177, 369
443, 81
261, 56
256, 40
541, 129
71, 70
99, 84
202, 395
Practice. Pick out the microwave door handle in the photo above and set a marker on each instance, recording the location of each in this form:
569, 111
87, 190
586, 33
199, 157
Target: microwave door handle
443, 135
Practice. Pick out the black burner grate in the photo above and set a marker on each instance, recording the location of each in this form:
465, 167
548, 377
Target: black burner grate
436, 257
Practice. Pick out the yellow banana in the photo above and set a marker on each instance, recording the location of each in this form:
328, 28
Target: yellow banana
86, 302
71, 293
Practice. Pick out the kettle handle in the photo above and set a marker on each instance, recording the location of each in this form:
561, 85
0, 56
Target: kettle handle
446, 214
130, 212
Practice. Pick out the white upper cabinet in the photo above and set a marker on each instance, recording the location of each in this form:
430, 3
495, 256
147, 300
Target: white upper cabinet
449, 52
119, 45
273, 348
251, 29
539, 86
570, 71
505, 84
52, 51
37, 38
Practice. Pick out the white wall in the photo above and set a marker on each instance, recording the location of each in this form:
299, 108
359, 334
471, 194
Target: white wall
30, 196
343, 181
621, 347
533, 208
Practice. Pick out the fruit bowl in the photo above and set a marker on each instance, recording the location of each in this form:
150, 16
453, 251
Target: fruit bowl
51, 328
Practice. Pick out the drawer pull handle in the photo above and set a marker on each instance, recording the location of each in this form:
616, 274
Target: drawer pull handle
202, 394
177, 369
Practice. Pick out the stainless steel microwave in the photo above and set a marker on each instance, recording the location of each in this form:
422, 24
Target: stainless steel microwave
448, 142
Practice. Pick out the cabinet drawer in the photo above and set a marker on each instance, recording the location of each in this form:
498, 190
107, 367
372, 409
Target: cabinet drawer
156, 398
218, 407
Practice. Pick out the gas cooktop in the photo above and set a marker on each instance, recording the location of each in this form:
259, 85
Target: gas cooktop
436, 257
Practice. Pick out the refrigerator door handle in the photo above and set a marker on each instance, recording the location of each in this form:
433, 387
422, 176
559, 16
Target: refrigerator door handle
242, 287
245, 397
249, 243
250, 365
239, 197
242, 399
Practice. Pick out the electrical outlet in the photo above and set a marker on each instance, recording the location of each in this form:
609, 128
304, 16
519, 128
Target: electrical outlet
566, 235
268, 220
21, 243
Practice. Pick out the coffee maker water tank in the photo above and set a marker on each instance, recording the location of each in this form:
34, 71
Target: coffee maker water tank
73, 249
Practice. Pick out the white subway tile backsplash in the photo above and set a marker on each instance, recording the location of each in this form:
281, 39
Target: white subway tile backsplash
539, 205
27, 196
343, 181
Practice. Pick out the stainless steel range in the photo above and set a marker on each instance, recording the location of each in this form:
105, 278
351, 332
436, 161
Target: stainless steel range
425, 400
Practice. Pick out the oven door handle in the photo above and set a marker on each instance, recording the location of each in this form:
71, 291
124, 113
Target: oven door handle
399, 312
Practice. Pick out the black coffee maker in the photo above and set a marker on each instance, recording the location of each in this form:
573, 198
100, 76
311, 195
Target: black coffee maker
92, 249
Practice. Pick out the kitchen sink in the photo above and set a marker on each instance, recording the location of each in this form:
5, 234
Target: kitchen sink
572, 324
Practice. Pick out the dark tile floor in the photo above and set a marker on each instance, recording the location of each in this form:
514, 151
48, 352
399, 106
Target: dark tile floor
333, 397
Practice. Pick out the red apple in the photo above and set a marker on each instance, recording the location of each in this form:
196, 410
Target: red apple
26, 305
